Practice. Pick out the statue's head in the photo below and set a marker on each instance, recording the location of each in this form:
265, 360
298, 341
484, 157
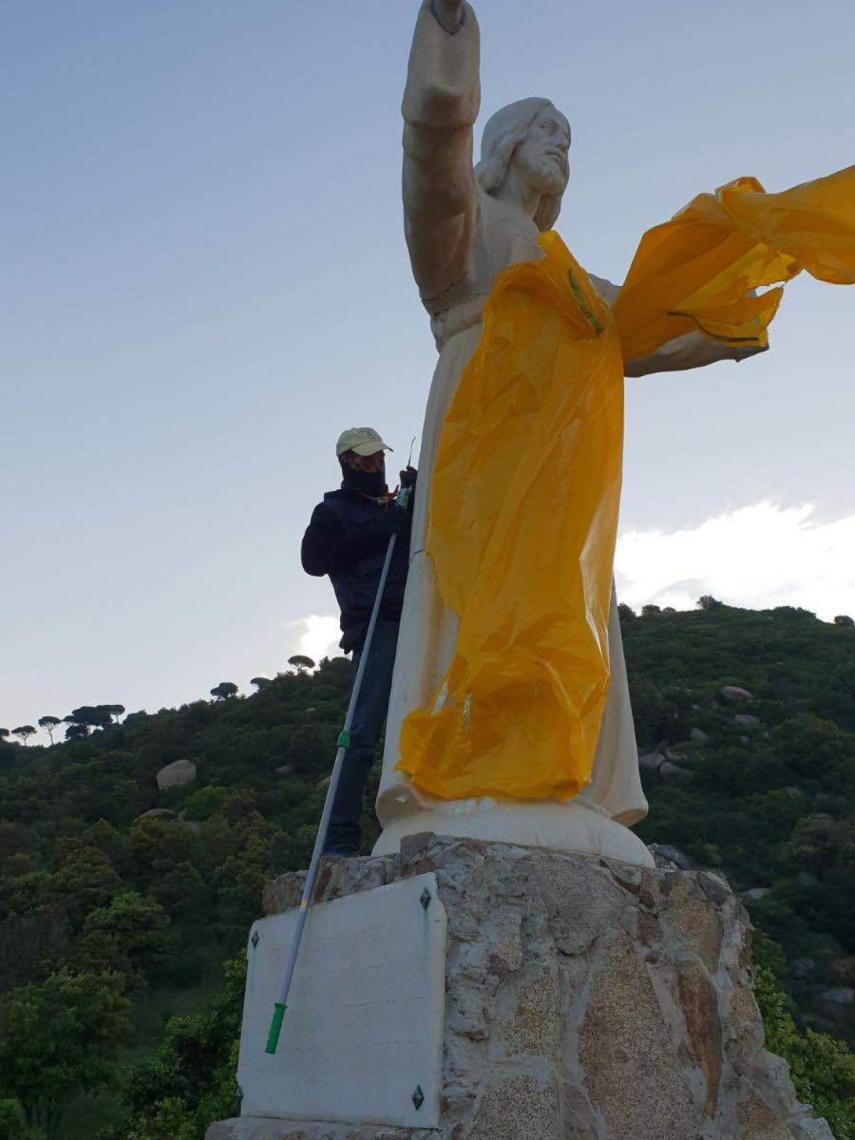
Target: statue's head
533, 136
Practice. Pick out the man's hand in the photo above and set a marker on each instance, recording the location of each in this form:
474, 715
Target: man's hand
449, 14
395, 521
408, 477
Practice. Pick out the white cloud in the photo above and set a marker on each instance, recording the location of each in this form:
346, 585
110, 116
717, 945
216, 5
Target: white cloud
315, 636
758, 556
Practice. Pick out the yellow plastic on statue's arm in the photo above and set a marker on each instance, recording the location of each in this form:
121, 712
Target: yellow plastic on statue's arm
700, 269
737, 323
813, 223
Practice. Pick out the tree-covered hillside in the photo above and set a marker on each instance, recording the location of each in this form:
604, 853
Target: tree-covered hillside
758, 782
112, 889
124, 908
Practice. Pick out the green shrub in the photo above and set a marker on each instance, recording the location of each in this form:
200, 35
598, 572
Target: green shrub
191, 1079
822, 1068
204, 803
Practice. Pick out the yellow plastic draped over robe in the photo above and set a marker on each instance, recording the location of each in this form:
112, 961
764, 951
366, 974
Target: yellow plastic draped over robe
526, 487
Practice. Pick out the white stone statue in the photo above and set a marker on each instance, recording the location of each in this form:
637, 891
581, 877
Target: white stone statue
463, 228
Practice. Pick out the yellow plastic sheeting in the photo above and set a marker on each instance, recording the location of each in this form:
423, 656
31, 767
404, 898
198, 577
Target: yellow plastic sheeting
522, 528
698, 270
526, 486
813, 223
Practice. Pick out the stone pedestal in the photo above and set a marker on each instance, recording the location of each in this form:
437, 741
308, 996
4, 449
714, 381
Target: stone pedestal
584, 1000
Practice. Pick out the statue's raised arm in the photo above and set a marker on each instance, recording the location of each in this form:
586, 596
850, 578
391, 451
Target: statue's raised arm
440, 107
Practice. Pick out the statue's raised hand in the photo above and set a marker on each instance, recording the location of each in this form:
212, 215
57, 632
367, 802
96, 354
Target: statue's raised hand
449, 14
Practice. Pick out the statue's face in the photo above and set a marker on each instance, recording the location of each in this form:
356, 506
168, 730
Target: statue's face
542, 157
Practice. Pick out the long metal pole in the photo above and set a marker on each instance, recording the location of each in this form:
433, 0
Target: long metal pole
281, 1003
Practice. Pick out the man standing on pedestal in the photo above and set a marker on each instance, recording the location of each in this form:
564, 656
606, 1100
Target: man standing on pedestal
347, 538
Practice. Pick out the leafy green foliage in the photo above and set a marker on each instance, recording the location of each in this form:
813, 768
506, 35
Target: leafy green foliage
13, 1123
822, 1069
772, 794
58, 1039
103, 875
128, 935
224, 690
190, 1080
93, 716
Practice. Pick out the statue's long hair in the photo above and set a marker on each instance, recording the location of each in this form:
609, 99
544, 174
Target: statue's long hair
502, 135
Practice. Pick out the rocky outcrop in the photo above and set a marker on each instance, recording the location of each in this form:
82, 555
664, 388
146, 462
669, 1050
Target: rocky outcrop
671, 773
671, 765
736, 694
801, 968
836, 1008
585, 1000
651, 761
671, 858
176, 775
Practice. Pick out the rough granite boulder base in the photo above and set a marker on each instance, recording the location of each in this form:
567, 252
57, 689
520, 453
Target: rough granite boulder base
585, 1000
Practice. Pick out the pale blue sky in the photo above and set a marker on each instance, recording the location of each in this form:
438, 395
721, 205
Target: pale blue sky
204, 281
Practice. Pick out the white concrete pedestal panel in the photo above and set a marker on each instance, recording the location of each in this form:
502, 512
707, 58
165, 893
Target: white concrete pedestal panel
364, 1026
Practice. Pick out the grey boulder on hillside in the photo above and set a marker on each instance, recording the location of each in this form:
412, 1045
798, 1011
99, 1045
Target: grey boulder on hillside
176, 775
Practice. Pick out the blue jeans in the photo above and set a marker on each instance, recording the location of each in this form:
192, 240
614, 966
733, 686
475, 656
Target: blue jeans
345, 834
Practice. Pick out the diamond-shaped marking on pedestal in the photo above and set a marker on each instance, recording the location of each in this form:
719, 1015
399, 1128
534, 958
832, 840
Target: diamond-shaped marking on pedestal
418, 1095
424, 899
255, 939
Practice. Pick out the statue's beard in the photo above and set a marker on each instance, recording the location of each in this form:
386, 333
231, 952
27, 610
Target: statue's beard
545, 174
371, 483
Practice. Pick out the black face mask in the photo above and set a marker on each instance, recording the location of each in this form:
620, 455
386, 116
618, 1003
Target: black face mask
372, 483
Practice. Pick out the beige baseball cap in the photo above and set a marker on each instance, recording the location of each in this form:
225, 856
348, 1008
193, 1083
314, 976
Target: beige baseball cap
364, 441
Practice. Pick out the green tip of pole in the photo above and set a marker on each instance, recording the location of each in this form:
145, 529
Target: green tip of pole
275, 1028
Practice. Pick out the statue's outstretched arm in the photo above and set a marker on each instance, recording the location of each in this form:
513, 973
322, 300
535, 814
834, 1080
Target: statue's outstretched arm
692, 350
440, 107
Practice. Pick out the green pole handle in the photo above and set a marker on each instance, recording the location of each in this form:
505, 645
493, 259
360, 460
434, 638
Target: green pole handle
275, 1028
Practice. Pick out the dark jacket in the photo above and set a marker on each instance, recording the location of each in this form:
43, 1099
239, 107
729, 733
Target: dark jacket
347, 538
